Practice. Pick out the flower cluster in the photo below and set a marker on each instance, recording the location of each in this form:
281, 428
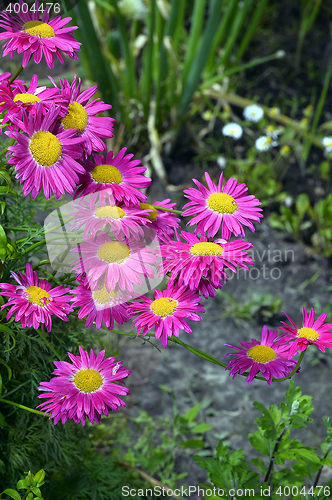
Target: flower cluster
255, 114
126, 242
272, 356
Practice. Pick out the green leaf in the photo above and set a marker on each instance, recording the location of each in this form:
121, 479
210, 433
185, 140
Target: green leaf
12, 493
196, 444
267, 422
6, 177
201, 428
6, 190
165, 388
21, 485
260, 465
3, 236
36, 491
192, 413
260, 443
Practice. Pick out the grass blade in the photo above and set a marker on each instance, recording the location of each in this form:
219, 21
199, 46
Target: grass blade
200, 61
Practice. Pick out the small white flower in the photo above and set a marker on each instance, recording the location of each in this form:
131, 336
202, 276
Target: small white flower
133, 9
253, 113
288, 201
265, 143
280, 54
221, 162
272, 132
232, 130
327, 143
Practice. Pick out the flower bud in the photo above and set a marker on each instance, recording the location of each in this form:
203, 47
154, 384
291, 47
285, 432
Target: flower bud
40, 475
285, 150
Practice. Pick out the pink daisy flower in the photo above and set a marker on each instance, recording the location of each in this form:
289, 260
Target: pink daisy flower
167, 312
216, 206
311, 332
163, 223
263, 356
26, 33
125, 222
5, 77
82, 115
86, 388
18, 99
100, 306
115, 263
120, 177
34, 300
199, 260
45, 158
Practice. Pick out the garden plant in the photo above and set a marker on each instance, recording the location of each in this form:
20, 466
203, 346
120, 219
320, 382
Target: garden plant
106, 257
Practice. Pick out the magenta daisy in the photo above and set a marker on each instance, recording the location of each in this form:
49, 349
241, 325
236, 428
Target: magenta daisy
82, 115
120, 177
45, 158
162, 222
100, 306
5, 77
199, 260
311, 332
215, 206
86, 388
34, 300
263, 356
167, 312
115, 263
17, 99
125, 222
27, 33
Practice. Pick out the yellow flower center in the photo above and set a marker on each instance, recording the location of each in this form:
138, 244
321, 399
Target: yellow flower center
36, 28
88, 380
77, 117
206, 248
270, 128
153, 212
106, 174
262, 353
38, 296
102, 296
222, 203
28, 98
308, 333
114, 252
45, 148
109, 212
164, 306
269, 140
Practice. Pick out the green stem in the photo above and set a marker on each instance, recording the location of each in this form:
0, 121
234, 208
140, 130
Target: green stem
168, 209
238, 69
32, 410
52, 229
293, 371
318, 111
208, 357
48, 344
131, 85
20, 69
